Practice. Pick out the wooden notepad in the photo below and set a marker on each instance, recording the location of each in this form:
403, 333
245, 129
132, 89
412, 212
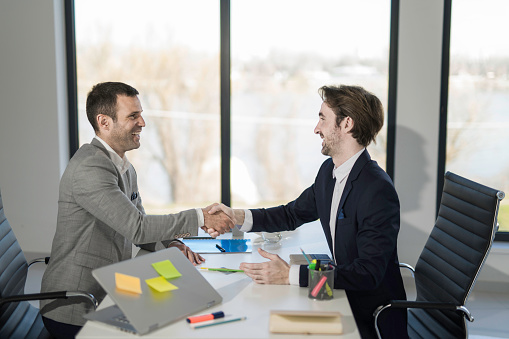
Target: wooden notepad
306, 322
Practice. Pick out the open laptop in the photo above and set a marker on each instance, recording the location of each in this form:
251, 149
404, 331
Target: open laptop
150, 310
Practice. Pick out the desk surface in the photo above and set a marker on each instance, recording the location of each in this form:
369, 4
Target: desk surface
242, 297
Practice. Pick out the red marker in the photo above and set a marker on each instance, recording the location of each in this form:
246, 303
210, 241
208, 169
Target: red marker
205, 317
318, 286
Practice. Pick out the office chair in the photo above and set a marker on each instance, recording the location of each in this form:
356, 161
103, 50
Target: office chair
451, 260
18, 318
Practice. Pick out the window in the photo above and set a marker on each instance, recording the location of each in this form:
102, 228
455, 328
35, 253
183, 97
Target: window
169, 51
478, 105
282, 52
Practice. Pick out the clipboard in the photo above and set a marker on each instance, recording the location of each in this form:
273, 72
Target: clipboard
210, 245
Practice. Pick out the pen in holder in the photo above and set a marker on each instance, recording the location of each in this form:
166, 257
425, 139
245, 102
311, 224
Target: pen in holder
321, 282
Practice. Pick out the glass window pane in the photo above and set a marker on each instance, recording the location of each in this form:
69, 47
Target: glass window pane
478, 108
169, 51
282, 52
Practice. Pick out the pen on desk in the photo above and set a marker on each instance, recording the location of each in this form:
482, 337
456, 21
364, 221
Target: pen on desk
219, 322
220, 248
221, 269
205, 317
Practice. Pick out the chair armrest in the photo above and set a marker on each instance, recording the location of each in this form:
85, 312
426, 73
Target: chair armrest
421, 304
37, 260
409, 267
49, 295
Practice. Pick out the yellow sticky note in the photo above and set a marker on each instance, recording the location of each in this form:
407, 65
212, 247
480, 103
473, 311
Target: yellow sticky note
166, 269
128, 283
160, 284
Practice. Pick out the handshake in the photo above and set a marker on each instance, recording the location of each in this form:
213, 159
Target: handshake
220, 219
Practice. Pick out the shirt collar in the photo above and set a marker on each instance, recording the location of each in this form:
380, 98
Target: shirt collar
344, 169
122, 164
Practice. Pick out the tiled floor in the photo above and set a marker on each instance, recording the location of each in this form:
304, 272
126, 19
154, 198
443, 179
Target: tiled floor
490, 310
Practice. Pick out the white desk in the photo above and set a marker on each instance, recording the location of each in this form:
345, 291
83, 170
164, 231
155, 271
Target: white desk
242, 297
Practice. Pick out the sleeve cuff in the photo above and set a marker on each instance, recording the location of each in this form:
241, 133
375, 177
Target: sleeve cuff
201, 218
248, 222
293, 277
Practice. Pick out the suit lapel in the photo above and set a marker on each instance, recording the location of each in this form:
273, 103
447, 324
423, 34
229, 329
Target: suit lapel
121, 184
364, 158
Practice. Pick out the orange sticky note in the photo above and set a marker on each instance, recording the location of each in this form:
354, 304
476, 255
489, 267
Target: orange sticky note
166, 269
160, 284
128, 283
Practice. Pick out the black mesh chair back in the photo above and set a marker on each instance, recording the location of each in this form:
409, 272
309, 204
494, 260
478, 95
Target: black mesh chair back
453, 256
17, 319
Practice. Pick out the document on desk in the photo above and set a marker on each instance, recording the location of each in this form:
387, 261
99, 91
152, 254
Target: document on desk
305, 322
211, 245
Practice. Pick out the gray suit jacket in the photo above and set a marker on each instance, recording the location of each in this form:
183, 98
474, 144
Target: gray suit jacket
100, 216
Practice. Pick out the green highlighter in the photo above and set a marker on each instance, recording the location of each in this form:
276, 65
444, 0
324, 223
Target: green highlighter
221, 269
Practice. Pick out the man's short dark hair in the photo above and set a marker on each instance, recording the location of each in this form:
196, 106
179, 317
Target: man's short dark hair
363, 107
102, 99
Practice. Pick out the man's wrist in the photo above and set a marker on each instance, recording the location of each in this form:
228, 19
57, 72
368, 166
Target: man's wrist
239, 216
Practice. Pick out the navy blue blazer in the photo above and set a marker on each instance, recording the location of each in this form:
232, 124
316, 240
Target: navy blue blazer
366, 235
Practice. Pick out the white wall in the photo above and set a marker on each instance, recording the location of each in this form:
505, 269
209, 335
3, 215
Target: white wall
418, 102
34, 141
33, 115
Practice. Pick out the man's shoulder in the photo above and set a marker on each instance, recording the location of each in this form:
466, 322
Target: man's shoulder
88, 155
88, 150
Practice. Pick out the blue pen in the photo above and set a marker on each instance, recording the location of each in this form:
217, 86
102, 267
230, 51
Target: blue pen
309, 261
306, 257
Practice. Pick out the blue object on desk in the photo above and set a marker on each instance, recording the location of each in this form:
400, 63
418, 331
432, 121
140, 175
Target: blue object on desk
211, 245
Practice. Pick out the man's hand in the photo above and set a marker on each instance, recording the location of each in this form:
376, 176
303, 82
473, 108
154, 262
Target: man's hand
217, 223
236, 215
273, 272
194, 258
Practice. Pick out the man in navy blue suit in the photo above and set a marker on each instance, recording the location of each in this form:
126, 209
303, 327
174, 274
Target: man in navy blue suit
358, 208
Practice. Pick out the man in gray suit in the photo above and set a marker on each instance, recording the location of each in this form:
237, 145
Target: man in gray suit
100, 213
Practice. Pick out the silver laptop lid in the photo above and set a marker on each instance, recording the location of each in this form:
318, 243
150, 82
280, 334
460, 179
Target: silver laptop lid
152, 309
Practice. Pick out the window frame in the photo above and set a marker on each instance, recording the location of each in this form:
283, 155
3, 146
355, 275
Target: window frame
444, 97
225, 88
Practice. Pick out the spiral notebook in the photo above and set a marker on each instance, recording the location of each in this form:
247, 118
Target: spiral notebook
211, 245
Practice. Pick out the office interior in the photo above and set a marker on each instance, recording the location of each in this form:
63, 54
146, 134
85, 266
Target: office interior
34, 135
